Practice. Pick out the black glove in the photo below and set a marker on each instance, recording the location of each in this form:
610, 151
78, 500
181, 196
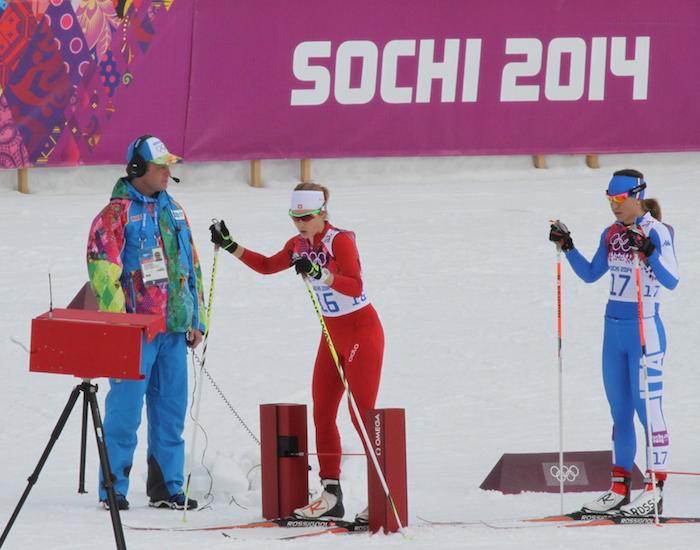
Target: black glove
639, 241
304, 266
221, 237
558, 233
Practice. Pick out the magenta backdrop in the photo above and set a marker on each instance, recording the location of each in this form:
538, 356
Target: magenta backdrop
215, 80
244, 110
155, 101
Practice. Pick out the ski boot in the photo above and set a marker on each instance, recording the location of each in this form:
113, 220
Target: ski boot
643, 504
328, 506
614, 498
363, 517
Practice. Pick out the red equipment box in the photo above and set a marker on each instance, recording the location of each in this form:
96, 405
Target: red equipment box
91, 344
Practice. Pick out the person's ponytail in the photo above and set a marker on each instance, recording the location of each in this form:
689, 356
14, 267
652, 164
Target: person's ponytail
653, 207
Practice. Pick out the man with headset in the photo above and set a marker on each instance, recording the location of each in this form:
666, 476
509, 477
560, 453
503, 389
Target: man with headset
141, 259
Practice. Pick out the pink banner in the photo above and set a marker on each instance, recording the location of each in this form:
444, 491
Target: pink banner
225, 80
364, 78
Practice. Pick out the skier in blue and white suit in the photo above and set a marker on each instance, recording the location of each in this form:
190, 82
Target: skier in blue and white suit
637, 230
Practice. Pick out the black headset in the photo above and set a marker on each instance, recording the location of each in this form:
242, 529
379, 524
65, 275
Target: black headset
137, 164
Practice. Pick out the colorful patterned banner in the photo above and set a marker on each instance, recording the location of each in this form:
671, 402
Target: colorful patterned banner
225, 80
67, 75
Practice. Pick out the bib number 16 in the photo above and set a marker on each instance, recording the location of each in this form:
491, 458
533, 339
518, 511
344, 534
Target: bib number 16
328, 305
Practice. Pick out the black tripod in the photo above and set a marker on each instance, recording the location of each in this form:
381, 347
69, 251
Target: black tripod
89, 392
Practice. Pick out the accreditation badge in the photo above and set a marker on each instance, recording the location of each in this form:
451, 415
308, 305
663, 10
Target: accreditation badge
153, 267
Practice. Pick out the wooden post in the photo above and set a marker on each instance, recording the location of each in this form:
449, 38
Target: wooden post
23, 180
538, 161
592, 161
305, 171
255, 173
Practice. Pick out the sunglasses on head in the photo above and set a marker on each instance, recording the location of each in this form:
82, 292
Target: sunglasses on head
306, 216
620, 197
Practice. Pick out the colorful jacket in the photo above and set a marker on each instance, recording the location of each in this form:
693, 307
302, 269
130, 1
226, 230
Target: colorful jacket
125, 227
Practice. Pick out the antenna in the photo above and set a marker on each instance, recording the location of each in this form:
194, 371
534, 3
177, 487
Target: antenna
50, 294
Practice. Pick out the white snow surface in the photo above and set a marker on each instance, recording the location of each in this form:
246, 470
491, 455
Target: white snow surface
457, 263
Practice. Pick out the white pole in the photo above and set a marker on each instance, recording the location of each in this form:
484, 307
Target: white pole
200, 379
645, 376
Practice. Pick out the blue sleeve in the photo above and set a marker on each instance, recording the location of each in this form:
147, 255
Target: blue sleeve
591, 271
663, 260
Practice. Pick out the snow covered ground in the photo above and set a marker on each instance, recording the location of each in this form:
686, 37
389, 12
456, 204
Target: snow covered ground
457, 263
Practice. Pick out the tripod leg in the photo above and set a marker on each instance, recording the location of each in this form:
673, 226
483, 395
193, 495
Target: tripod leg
83, 438
91, 391
35, 474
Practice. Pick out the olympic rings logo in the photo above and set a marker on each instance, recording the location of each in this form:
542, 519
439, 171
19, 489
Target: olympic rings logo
319, 258
568, 473
619, 242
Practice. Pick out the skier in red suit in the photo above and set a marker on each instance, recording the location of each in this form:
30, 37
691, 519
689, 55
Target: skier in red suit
328, 258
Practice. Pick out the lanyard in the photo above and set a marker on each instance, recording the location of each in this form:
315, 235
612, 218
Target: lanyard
154, 218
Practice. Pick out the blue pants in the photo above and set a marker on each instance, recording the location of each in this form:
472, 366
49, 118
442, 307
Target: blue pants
164, 365
624, 387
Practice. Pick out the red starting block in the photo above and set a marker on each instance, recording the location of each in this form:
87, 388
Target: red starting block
285, 463
284, 459
387, 433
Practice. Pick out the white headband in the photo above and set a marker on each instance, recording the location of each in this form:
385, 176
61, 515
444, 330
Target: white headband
307, 200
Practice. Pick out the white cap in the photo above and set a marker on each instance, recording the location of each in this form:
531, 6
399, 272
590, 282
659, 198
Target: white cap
307, 199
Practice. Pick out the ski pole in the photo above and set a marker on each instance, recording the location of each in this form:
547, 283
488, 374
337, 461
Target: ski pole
561, 385
198, 396
560, 370
645, 376
353, 404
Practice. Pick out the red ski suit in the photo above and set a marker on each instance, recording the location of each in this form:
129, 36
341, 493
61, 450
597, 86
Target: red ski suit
357, 335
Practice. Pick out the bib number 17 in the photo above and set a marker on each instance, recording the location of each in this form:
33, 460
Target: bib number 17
618, 289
